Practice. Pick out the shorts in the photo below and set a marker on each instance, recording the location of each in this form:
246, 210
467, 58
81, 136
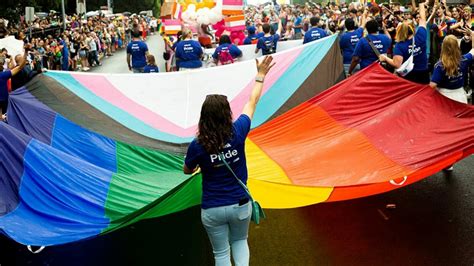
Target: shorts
458, 95
83, 54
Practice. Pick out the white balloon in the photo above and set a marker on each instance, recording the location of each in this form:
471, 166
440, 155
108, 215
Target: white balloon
206, 21
213, 18
191, 7
200, 20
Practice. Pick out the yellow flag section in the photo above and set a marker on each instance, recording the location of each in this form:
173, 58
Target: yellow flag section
269, 184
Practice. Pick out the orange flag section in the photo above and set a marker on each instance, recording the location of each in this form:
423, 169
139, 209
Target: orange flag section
271, 187
314, 150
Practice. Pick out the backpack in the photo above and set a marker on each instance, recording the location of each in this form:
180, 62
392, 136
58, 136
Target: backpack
269, 46
225, 57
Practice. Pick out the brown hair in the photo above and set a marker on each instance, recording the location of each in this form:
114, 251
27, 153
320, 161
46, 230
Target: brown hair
450, 55
151, 59
215, 123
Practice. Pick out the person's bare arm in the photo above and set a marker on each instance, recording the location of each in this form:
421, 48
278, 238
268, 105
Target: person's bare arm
396, 62
354, 62
413, 4
433, 13
279, 28
186, 170
472, 42
21, 65
128, 61
263, 67
363, 18
422, 21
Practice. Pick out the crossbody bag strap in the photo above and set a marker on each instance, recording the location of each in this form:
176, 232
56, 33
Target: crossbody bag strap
221, 156
376, 51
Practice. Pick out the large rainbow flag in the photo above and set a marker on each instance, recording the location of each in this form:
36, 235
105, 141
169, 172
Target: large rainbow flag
166, 106
71, 171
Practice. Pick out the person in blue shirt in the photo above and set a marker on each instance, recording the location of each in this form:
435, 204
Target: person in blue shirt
65, 55
404, 48
252, 36
268, 43
226, 208
363, 52
151, 66
137, 51
348, 42
226, 52
298, 25
5, 75
315, 33
450, 71
188, 52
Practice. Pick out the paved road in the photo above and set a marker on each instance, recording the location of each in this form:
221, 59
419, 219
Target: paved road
118, 62
432, 224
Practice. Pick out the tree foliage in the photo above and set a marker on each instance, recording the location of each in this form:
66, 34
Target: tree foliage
13, 9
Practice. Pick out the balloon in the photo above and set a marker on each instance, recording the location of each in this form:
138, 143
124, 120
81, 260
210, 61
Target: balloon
200, 20
199, 5
206, 21
191, 7
208, 3
185, 16
213, 18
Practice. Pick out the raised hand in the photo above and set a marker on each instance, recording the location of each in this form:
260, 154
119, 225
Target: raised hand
264, 66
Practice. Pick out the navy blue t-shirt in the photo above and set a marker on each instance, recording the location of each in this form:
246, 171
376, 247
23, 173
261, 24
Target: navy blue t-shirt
189, 54
314, 34
233, 50
253, 38
365, 52
219, 187
138, 51
348, 43
268, 45
151, 69
4, 76
420, 58
443, 81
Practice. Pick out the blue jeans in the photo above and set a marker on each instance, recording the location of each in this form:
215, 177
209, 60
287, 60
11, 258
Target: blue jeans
227, 228
138, 69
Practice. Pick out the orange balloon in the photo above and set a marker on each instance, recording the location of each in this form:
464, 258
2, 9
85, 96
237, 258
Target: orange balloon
209, 4
199, 5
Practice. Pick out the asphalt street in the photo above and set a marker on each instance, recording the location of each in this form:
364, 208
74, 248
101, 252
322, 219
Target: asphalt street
432, 223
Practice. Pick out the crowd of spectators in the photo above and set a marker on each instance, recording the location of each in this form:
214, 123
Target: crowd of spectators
84, 42
82, 45
369, 32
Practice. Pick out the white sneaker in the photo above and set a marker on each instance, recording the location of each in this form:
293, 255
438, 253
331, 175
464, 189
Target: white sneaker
451, 168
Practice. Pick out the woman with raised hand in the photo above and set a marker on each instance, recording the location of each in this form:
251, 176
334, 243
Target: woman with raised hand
226, 207
411, 42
